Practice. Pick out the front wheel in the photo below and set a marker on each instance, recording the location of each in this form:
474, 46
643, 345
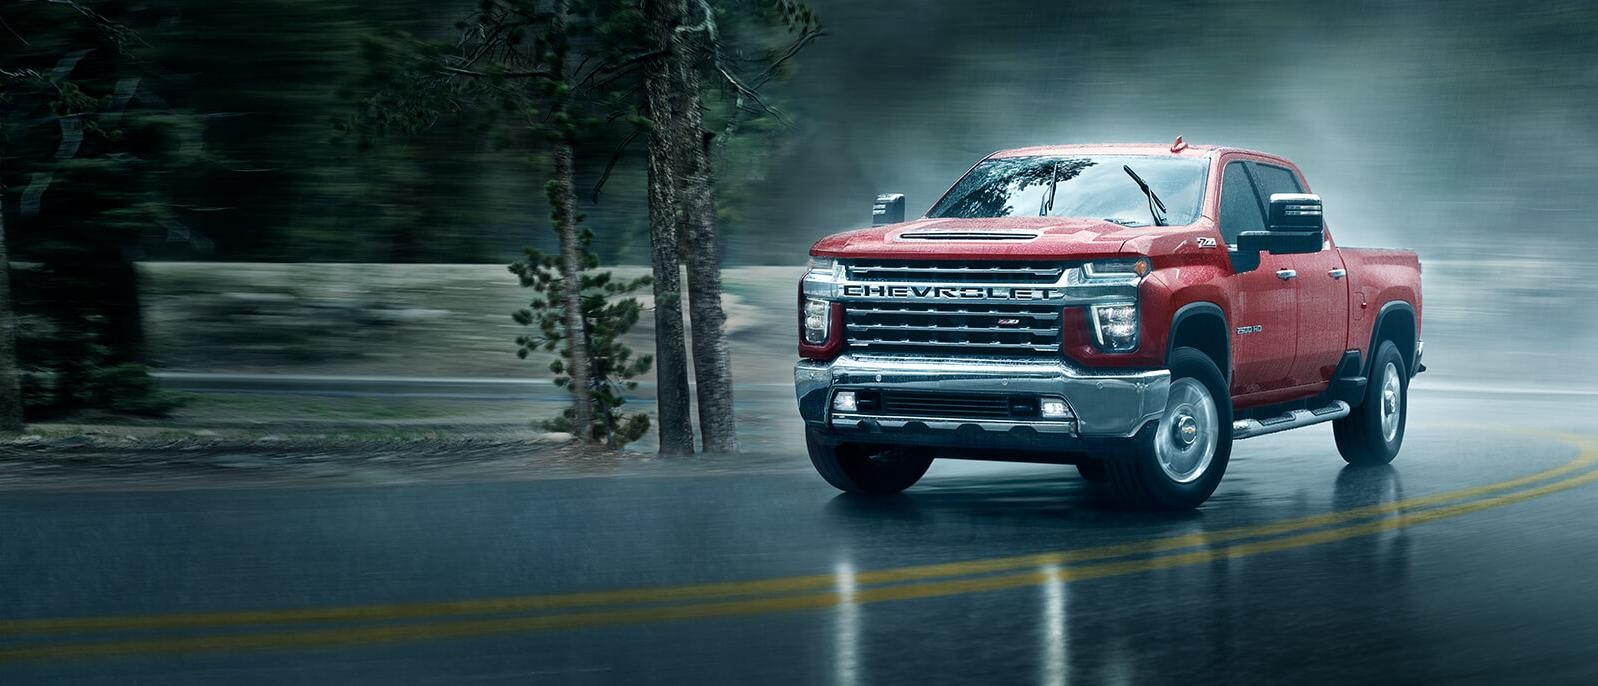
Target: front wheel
1180, 465
871, 469
1374, 431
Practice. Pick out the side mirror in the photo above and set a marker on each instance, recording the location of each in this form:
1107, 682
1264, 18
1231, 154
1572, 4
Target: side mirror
889, 209
1296, 226
1296, 213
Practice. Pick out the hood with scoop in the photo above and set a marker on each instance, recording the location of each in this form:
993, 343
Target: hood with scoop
993, 238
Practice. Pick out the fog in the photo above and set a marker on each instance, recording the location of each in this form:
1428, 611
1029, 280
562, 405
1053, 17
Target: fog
1442, 127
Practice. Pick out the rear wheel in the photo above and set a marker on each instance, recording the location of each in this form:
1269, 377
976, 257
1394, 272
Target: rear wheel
865, 468
1180, 465
1374, 431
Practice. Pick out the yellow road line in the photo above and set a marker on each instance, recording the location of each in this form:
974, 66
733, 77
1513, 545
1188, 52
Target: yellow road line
323, 638
734, 589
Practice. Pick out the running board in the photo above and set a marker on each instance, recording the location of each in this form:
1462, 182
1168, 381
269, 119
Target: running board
1249, 428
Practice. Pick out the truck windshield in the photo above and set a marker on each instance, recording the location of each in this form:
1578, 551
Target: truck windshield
1092, 186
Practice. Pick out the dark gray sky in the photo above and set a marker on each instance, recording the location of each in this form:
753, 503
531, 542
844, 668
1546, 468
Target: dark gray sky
1431, 125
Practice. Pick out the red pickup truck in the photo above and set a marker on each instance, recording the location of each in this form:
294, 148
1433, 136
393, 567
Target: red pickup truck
1131, 310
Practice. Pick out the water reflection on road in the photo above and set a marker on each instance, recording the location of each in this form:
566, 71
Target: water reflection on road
1127, 628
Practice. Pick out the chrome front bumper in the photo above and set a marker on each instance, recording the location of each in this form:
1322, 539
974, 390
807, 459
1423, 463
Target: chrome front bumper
1107, 404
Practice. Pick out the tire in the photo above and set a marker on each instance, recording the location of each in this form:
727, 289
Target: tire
1178, 464
868, 469
1374, 431
1092, 470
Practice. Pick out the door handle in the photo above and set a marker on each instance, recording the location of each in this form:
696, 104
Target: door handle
1285, 274
1337, 273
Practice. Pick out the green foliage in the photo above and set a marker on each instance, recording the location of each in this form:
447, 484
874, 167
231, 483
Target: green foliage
126, 389
609, 314
798, 17
65, 368
89, 154
279, 169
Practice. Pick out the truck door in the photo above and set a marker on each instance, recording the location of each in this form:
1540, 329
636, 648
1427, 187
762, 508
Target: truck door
1264, 316
1322, 287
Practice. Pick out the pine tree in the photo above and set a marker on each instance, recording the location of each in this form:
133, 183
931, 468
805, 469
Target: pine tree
691, 47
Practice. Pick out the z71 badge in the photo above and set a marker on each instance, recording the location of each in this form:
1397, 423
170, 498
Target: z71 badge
1205, 242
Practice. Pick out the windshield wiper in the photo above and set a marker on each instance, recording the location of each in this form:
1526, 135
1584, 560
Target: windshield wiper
1048, 198
1154, 200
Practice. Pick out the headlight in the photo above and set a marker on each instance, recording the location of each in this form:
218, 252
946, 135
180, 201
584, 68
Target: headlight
824, 270
818, 320
1117, 269
1115, 327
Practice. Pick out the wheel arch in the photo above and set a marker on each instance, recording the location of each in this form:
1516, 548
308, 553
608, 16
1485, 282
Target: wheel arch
1202, 326
1395, 322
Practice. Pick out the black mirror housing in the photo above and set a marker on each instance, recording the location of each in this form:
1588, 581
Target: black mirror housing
1246, 257
1296, 213
1296, 227
889, 209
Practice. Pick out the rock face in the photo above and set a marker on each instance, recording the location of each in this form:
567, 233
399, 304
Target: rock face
335, 318
401, 320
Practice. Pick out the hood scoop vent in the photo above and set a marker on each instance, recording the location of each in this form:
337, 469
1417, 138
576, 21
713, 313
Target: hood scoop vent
948, 235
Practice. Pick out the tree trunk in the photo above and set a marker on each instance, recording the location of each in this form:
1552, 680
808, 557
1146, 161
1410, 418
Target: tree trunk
579, 360
10, 385
563, 208
123, 327
712, 364
671, 360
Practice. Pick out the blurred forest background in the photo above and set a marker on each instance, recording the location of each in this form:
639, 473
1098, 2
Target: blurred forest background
1459, 129
1468, 115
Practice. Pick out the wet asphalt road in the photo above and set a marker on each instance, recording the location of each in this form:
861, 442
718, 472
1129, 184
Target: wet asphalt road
1468, 560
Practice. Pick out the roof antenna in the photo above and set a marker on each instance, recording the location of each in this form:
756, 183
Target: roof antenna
1179, 145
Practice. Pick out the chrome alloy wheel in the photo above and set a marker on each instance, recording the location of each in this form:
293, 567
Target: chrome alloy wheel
1184, 444
1392, 402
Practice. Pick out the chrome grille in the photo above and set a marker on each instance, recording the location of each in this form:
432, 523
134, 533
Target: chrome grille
947, 272
953, 328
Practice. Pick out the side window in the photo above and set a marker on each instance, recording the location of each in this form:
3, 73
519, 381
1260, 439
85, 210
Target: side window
1275, 180
1240, 208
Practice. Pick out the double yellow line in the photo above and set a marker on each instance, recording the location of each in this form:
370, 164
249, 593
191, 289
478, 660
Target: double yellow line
374, 624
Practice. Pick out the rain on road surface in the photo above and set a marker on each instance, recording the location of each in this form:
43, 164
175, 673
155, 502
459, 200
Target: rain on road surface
1465, 561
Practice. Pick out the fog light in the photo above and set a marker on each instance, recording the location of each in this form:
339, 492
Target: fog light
1054, 408
844, 401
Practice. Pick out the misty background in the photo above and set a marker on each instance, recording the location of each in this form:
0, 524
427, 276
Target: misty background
1445, 127
1460, 130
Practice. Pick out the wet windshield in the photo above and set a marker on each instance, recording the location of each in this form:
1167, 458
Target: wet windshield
1087, 186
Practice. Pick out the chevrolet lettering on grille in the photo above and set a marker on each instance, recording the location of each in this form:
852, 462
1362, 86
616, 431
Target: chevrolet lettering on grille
951, 292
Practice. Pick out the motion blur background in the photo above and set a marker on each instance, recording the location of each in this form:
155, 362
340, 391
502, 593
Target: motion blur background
1442, 126
1461, 130
250, 288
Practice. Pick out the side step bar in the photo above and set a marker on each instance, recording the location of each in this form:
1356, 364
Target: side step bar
1249, 428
